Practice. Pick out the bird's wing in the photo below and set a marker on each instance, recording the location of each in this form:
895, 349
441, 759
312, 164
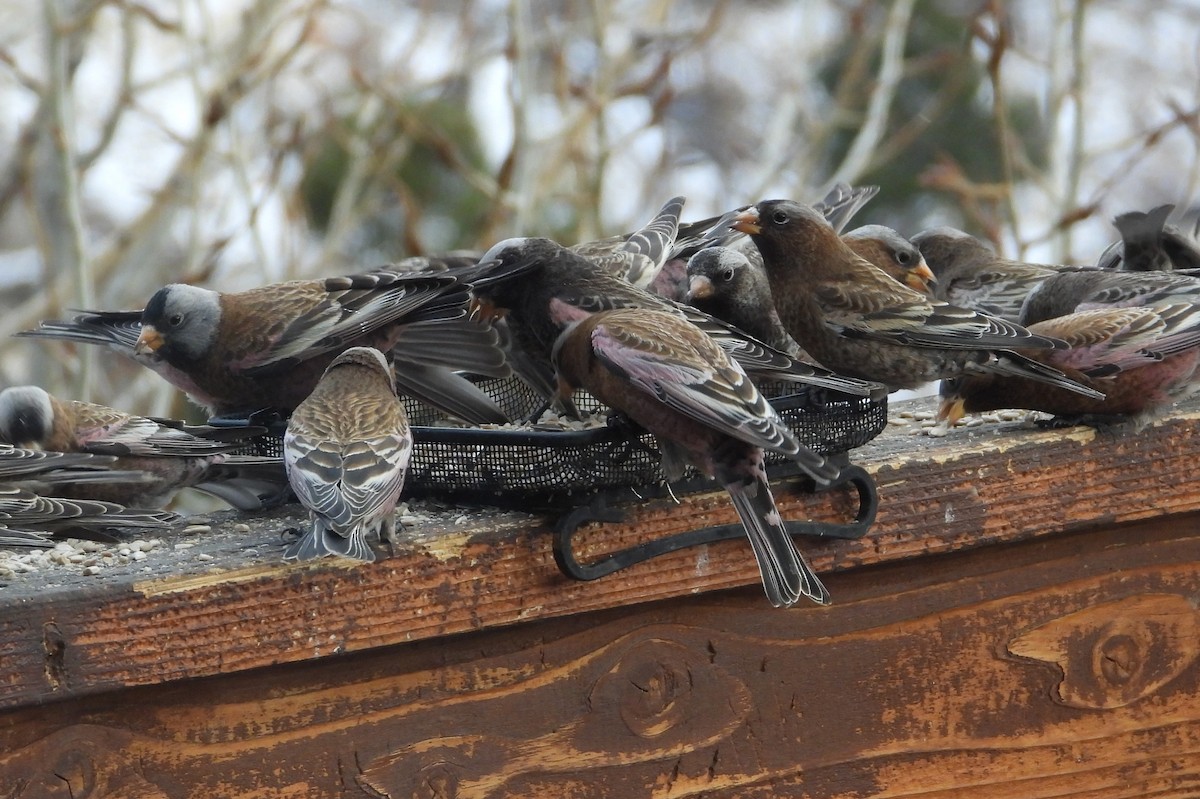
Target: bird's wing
696, 381
345, 483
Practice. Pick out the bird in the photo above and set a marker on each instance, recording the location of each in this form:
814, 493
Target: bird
32, 516
894, 254
168, 455
347, 449
731, 284
235, 353
971, 275
1085, 289
638, 256
839, 205
860, 322
1149, 244
724, 283
1142, 359
670, 377
549, 271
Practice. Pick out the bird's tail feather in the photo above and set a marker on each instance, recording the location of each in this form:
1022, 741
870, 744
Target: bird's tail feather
1013, 364
321, 540
786, 576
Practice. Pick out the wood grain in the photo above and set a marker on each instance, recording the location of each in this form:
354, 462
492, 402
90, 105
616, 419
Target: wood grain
247, 609
1060, 667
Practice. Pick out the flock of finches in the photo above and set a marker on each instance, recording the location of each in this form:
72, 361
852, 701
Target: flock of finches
670, 325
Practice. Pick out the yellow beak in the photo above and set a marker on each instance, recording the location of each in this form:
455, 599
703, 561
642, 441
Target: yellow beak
699, 288
149, 342
747, 222
921, 278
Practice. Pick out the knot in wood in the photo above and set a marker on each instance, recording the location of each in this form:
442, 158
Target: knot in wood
1119, 658
660, 691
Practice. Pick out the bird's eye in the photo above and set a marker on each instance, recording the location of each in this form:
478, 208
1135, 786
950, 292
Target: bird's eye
727, 275
779, 217
176, 320
903, 257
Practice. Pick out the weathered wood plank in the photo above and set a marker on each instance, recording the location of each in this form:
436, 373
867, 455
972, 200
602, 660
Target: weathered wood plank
244, 611
1059, 667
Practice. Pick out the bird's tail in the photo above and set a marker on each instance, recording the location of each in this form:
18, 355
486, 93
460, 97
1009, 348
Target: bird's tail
1012, 364
322, 540
246, 482
785, 575
116, 329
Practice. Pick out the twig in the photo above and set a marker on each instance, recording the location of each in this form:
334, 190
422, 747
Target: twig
891, 69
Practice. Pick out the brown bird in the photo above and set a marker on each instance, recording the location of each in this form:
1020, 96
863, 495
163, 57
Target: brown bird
971, 275
241, 352
347, 449
894, 254
838, 206
1149, 244
731, 283
168, 456
550, 272
672, 379
1142, 359
860, 322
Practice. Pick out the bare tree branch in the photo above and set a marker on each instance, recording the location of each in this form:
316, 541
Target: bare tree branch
891, 69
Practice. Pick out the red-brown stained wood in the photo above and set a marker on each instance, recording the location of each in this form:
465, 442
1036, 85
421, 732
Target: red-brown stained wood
968, 490
1059, 667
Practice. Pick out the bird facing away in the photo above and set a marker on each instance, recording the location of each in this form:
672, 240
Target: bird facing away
347, 449
241, 352
971, 275
168, 456
672, 379
1149, 244
860, 322
550, 272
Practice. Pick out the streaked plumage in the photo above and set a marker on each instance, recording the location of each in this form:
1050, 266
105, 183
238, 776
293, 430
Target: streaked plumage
971, 275
169, 455
1081, 290
241, 352
347, 449
31, 515
637, 256
554, 273
860, 322
1143, 359
672, 379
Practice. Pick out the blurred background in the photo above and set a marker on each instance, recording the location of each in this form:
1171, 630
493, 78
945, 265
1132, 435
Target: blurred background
238, 142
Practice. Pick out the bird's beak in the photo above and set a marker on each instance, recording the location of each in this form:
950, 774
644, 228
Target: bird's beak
747, 222
149, 342
699, 288
951, 409
921, 278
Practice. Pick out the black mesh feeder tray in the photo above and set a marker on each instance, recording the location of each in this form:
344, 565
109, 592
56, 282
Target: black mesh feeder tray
588, 474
